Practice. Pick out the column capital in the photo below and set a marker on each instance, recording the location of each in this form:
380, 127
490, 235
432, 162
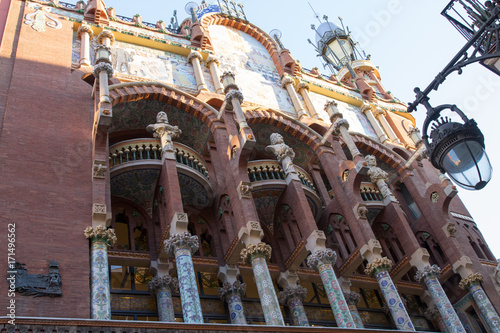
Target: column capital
165, 281
365, 107
352, 298
103, 66
105, 34
253, 250
101, 233
231, 95
377, 265
211, 59
428, 272
182, 240
84, 28
338, 124
379, 111
286, 80
292, 292
302, 85
228, 81
321, 257
229, 289
472, 279
194, 55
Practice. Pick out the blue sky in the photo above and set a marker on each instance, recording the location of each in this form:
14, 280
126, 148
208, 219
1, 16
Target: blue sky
408, 39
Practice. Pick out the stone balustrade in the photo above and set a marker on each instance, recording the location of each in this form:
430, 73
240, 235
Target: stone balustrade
265, 170
370, 192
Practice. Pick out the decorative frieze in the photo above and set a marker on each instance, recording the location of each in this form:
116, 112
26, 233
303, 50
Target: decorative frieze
100, 232
472, 279
379, 264
254, 250
183, 240
320, 257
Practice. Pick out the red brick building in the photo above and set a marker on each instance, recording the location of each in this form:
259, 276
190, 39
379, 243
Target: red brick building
226, 207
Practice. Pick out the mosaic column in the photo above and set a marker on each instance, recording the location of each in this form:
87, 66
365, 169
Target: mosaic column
432, 314
85, 34
232, 293
380, 115
257, 255
212, 63
161, 287
352, 298
473, 284
367, 110
379, 268
100, 300
182, 246
287, 83
429, 275
303, 89
194, 58
293, 296
322, 261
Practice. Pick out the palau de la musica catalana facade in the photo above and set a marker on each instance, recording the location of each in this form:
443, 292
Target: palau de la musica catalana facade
195, 177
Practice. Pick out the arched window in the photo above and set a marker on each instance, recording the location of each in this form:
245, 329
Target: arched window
339, 236
427, 241
389, 241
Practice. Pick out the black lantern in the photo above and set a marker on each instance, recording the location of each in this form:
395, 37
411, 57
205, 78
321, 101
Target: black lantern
457, 149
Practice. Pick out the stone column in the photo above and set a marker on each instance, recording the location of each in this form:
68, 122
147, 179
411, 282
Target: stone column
287, 83
161, 287
379, 178
194, 58
165, 132
212, 64
473, 284
103, 70
367, 110
100, 301
352, 298
379, 268
257, 255
85, 34
232, 293
380, 115
429, 275
293, 296
234, 98
182, 246
303, 89
322, 261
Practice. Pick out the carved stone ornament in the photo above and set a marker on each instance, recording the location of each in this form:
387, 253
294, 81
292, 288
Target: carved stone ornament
85, 28
41, 18
428, 272
164, 131
451, 229
105, 34
352, 297
97, 50
194, 54
434, 197
472, 279
228, 289
182, 240
103, 66
378, 176
330, 103
431, 313
101, 233
286, 80
283, 153
378, 265
245, 190
100, 169
233, 94
338, 124
210, 60
34, 284
165, 281
253, 250
379, 112
99, 209
302, 85
362, 211
321, 257
292, 292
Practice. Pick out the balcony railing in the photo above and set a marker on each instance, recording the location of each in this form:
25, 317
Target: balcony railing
150, 149
265, 170
370, 192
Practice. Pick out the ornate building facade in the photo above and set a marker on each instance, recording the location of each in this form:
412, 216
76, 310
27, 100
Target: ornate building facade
197, 173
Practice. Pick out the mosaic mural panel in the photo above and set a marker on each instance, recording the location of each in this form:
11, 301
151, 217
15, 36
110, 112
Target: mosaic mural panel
213, 306
357, 120
256, 74
139, 114
253, 309
120, 302
265, 202
192, 191
374, 318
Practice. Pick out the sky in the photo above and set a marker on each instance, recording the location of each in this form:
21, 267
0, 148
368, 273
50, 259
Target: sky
410, 42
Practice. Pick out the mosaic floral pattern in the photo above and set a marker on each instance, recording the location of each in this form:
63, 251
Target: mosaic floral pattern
299, 316
265, 203
335, 296
485, 306
165, 305
448, 314
101, 300
267, 294
120, 302
391, 296
355, 316
191, 307
192, 191
236, 312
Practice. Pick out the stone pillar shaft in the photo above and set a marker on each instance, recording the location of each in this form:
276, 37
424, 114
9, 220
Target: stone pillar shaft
191, 305
214, 71
165, 305
355, 316
349, 142
235, 307
295, 100
375, 124
104, 88
309, 104
194, 58
387, 127
100, 303
485, 306
85, 49
238, 111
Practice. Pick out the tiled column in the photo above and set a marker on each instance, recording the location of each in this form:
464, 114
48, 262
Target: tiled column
303, 89
432, 314
287, 83
182, 246
352, 298
100, 301
161, 287
367, 110
194, 58
232, 293
212, 63
322, 261
380, 115
293, 296
473, 284
257, 255
85, 34
429, 275
379, 268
